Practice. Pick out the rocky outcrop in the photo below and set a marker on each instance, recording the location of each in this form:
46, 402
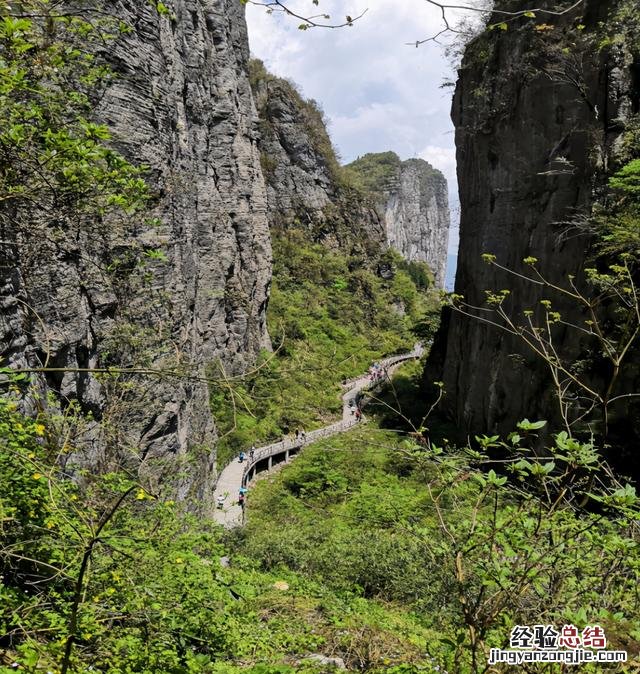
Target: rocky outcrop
297, 156
413, 198
345, 206
181, 104
538, 109
306, 186
417, 216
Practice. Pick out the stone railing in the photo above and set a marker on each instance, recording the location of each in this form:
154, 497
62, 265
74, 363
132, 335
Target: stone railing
286, 445
418, 350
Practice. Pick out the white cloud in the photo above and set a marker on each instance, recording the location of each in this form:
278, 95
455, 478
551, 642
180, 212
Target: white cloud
378, 93
442, 157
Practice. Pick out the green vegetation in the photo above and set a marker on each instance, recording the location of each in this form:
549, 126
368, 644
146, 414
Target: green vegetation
380, 516
52, 158
105, 576
374, 172
330, 316
593, 376
618, 225
382, 548
371, 547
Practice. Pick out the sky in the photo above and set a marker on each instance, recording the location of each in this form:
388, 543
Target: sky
378, 93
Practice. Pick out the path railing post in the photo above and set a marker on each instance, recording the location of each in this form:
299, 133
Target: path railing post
284, 446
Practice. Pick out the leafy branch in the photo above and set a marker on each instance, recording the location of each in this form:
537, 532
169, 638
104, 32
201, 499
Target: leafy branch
615, 286
308, 21
449, 26
505, 17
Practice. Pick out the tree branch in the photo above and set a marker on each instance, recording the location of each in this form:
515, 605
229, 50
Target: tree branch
500, 13
308, 21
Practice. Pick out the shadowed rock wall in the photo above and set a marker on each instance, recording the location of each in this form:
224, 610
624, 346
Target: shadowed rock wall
538, 112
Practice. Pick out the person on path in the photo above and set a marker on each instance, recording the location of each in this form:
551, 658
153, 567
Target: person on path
252, 452
303, 436
358, 414
241, 457
220, 502
241, 500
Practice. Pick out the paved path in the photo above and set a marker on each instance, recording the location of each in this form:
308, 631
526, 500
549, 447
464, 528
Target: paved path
236, 474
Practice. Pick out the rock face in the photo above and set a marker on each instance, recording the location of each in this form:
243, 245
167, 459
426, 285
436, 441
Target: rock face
413, 198
406, 207
417, 216
297, 156
305, 184
180, 103
538, 112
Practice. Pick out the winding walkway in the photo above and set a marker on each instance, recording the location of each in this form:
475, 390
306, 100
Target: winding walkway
236, 475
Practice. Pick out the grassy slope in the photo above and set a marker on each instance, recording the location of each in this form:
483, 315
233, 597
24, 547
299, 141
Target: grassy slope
354, 514
330, 316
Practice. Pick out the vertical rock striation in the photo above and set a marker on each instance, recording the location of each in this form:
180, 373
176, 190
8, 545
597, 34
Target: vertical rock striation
181, 104
375, 201
413, 198
417, 216
305, 182
297, 157
538, 111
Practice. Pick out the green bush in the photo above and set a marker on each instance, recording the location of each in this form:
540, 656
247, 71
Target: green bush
330, 316
391, 520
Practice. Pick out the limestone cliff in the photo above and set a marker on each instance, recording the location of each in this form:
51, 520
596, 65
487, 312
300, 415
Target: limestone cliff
413, 198
180, 103
539, 110
306, 186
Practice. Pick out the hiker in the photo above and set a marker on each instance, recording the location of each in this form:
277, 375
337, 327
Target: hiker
358, 414
241, 457
303, 436
297, 434
220, 502
252, 452
241, 500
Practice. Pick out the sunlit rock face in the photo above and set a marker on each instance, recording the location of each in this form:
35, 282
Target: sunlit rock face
180, 103
306, 187
412, 199
417, 216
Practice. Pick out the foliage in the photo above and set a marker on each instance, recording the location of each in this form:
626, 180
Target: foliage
370, 547
330, 315
602, 310
386, 550
381, 516
55, 164
627, 179
100, 574
374, 172
617, 225
605, 315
